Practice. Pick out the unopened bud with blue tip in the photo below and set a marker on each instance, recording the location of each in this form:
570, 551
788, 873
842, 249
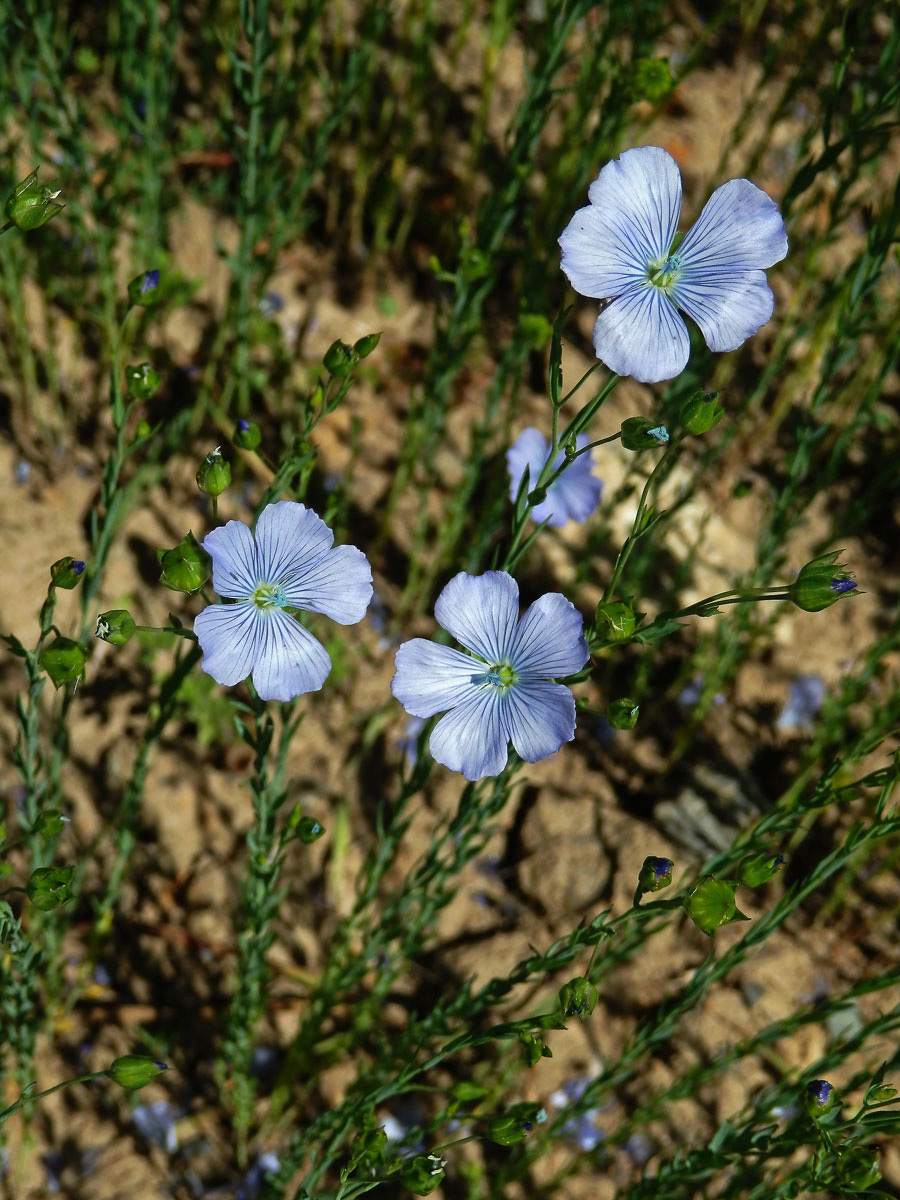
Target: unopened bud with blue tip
640, 434
819, 1099
757, 869
821, 582
655, 874
134, 1071
66, 572
144, 288
247, 435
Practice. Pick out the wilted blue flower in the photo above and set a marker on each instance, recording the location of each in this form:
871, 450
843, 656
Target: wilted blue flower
156, 1122
804, 700
572, 497
290, 564
622, 249
500, 691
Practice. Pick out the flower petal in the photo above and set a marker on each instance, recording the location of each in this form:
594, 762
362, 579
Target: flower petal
550, 639
481, 612
576, 493
339, 584
729, 306
629, 223
233, 555
431, 678
739, 229
540, 717
289, 660
530, 449
641, 334
229, 637
289, 538
472, 738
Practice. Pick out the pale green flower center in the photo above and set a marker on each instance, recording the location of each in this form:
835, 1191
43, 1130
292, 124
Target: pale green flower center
665, 272
499, 675
269, 595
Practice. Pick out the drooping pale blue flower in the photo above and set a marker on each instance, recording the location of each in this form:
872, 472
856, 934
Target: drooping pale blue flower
572, 497
291, 563
622, 249
501, 690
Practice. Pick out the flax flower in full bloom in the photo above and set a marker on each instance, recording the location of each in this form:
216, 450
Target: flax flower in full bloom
291, 563
500, 691
572, 497
622, 249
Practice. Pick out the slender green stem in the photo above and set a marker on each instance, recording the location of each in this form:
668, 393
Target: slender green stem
29, 1098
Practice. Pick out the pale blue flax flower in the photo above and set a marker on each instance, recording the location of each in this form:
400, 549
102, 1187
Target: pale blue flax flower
622, 249
501, 690
290, 564
572, 497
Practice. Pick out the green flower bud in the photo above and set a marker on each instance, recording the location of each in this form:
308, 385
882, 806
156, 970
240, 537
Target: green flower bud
186, 567
757, 869
141, 381
144, 289
63, 660
214, 475
655, 874
143, 428
49, 824
308, 830
367, 1148
640, 434
67, 572
857, 1168
247, 435
30, 206
710, 903
820, 583
423, 1173
700, 412
536, 330
467, 1092
116, 627
578, 997
614, 620
512, 1127
364, 347
48, 887
819, 1099
623, 714
133, 1071
340, 359
533, 1049
651, 79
